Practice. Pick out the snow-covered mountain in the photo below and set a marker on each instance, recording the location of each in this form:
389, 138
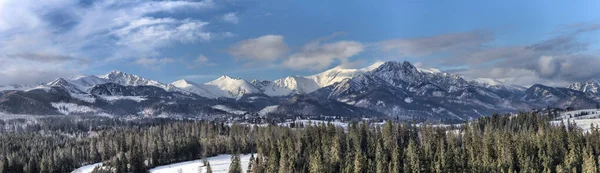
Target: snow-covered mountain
390, 89
306, 84
496, 84
127, 79
223, 86
591, 86
14, 87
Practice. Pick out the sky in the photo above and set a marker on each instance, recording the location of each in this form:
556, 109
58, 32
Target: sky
520, 42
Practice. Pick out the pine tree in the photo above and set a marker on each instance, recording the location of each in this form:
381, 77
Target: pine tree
4, 165
235, 166
360, 163
208, 168
250, 163
381, 159
413, 157
316, 162
589, 162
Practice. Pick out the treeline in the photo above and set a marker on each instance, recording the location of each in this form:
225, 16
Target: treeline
500, 143
522, 143
124, 148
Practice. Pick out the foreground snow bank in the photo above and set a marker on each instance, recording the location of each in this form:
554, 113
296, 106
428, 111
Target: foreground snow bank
218, 163
87, 168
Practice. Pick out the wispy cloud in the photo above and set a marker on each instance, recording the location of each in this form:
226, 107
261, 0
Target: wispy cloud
557, 60
231, 18
264, 48
201, 60
60, 33
417, 47
321, 55
153, 63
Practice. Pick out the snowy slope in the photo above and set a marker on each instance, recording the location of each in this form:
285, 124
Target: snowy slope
126, 79
14, 87
72, 108
196, 88
339, 73
584, 122
85, 83
590, 86
306, 84
219, 164
226, 86
87, 168
496, 84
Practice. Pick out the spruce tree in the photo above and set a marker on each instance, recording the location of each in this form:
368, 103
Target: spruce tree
589, 162
208, 168
250, 163
236, 165
4, 165
316, 162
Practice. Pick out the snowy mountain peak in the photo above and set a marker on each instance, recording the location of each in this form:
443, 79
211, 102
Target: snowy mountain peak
58, 82
340, 73
67, 85
127, 79
232, 86
397, 66
591, 86
226, 77
183, 83
496, 84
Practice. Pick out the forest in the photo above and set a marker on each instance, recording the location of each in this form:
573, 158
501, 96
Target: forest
526, 142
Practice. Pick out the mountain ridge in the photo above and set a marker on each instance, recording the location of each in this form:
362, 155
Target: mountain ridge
385, 89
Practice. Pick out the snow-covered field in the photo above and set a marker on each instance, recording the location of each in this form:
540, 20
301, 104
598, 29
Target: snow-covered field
228, 109
218, 163
68, 108
87, 168
584, 122
315, 122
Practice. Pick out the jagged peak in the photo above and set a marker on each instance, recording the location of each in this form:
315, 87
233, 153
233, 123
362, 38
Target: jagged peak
58, 81
397, 65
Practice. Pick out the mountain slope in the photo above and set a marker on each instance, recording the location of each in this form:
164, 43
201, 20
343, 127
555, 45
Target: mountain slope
590, 87
384, 90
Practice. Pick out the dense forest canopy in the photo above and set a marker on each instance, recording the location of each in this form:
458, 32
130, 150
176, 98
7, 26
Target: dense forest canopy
526, 142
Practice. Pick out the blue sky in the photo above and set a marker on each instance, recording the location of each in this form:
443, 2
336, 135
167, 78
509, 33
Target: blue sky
520, 42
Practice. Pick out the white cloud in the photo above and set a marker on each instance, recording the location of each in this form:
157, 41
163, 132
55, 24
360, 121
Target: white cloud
201, 60
436, 44
104, 30
317, 56
231, 18
264, 48
147, 34
32, 71
153, 62
547, 65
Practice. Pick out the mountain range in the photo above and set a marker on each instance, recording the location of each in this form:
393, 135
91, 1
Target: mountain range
384, 90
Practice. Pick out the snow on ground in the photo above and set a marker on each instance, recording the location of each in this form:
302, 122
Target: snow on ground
228, 109
267, 110
593, 113
87, 168
218, 163
583, 122
114, 98
315, 122
84, 97
68, 108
